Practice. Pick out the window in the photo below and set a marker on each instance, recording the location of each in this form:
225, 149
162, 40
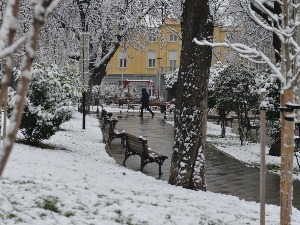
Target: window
122, 59
151, 59
172, 60
173, 37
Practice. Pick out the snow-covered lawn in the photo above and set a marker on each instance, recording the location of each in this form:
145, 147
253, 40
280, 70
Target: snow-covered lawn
248, 154
78, 183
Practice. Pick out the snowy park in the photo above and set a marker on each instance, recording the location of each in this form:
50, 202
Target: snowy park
78, 183
211, 79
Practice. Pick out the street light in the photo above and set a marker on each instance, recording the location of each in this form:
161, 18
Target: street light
123, 63
158, 81
84, 52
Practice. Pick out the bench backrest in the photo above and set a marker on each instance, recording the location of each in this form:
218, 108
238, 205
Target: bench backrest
112, 123
136, 144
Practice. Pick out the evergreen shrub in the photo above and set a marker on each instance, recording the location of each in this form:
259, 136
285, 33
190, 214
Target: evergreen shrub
49, 101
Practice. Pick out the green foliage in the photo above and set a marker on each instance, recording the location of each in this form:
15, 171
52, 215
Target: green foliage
69, 214
272, 167
50, 203
234, 90
215, 71
272, 101
49, 101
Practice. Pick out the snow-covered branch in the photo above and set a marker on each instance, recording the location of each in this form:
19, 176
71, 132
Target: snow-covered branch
9, 21
123, 31
40, 10
245, 52
12, 48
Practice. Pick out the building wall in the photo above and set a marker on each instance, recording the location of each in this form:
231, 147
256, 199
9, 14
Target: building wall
137, 61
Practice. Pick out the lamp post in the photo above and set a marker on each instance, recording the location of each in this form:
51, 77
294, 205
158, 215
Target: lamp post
158, 80
84, 52
122, 64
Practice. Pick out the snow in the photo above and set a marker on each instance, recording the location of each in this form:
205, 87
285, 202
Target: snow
86, 186
248, 154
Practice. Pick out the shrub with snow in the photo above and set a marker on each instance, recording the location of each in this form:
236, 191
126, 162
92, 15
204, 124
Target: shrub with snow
272, 101
49, 100
171, 82
215, 71
234, 90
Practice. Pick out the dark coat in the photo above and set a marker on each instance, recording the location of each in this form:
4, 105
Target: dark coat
145, 97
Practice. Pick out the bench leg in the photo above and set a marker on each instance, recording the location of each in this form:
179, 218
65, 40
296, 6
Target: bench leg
127, 154
123, 142
111, 137
108, 140
142, 164
159, 173
124, 161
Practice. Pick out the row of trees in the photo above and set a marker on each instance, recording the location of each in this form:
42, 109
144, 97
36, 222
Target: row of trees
235, 88
110, 23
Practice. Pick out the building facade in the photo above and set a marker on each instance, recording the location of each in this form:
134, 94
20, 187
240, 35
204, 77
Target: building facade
159, 57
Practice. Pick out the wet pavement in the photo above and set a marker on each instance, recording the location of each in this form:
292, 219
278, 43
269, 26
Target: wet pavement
223, 174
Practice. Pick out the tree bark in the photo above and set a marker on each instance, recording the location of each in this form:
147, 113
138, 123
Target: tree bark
188, 162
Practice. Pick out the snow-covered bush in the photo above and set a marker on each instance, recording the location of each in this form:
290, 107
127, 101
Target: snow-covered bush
215, 71
171, 82
49, 100
105, 91
272, 101
234, 90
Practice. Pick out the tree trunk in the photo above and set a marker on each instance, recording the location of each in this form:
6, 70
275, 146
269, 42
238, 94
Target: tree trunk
188, 162
98, 74
223, 128
286, 166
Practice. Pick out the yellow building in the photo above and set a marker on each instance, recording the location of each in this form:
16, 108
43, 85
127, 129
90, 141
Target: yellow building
159, 56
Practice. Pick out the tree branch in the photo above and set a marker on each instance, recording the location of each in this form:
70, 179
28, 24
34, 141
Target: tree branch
42, 9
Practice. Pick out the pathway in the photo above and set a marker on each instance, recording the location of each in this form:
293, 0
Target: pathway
223, 174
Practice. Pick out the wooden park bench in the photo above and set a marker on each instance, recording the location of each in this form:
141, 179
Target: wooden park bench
138, 146
114, 133
105, 116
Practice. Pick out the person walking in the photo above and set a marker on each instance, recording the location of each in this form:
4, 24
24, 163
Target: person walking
145, 102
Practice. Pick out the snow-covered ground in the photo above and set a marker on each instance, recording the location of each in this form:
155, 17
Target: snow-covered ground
78, 183
248, 154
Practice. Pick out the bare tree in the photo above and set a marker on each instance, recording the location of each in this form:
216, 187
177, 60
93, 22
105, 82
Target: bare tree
188, 162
